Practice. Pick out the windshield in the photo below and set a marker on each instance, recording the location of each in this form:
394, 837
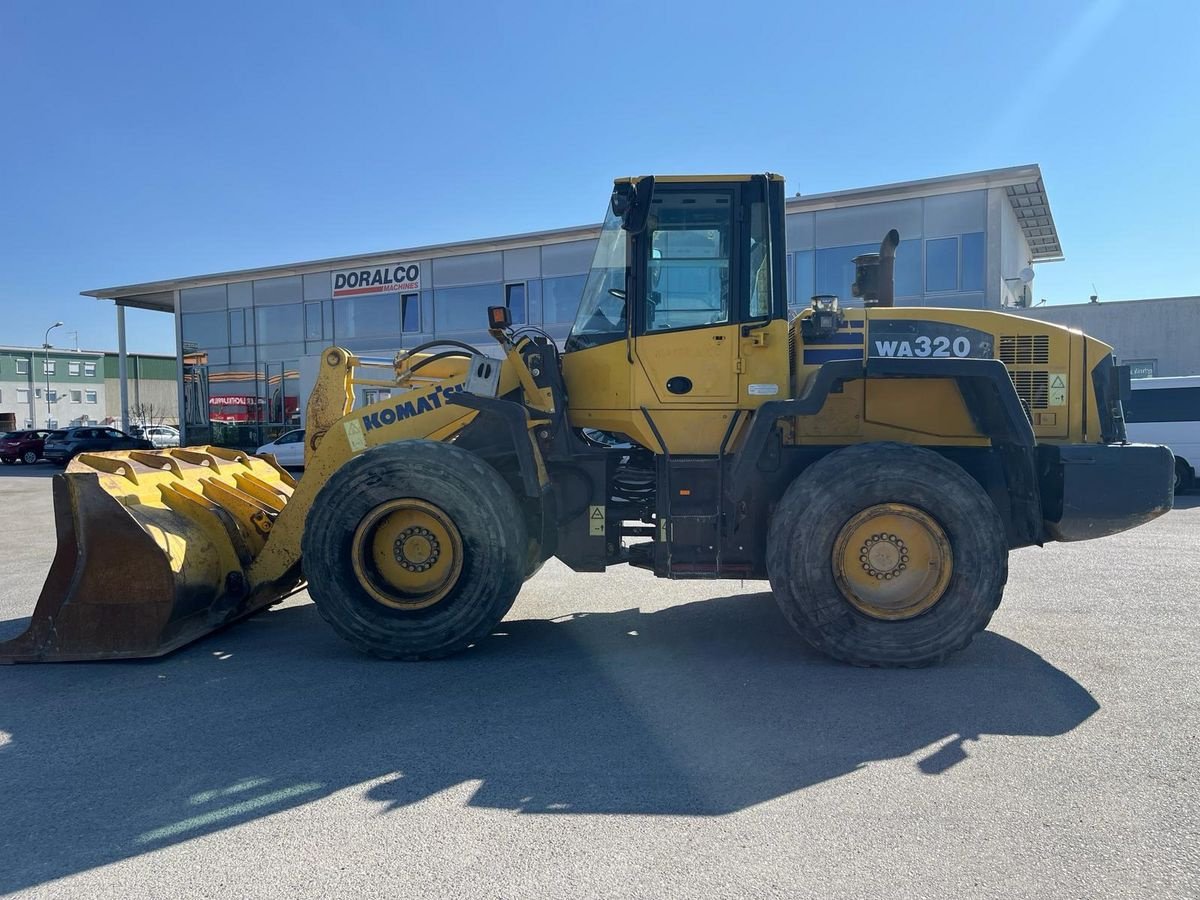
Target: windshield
601, 317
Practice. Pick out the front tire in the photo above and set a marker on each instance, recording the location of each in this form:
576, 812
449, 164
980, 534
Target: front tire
414, 550
887, 554
29, 457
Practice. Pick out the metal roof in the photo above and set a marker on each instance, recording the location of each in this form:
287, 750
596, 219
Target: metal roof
1029, 202
1023, 185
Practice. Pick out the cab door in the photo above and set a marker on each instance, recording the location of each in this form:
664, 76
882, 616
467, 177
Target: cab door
686, 335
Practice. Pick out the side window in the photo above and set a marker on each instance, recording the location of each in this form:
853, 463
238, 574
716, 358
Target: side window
760, 262
687, 272
112, 433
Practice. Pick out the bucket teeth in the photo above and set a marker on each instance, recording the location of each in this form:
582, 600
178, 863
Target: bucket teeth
154, 549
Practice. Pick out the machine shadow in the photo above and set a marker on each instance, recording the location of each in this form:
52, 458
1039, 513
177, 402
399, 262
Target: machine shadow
705, 708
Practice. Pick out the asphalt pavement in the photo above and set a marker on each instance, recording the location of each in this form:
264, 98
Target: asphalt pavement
621, 736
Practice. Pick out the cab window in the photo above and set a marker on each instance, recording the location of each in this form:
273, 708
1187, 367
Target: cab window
760, 262
690, 236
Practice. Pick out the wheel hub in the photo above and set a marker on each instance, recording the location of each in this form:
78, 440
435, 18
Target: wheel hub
417, 549
892, 561
407, 554
883, 556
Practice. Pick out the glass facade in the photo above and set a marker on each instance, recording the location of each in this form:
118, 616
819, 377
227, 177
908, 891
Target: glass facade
245, 343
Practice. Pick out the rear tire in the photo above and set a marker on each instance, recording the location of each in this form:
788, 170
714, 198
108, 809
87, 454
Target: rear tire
813, 555
1184, 476
29, 458
474, 533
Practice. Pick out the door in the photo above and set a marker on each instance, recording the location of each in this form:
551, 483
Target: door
289, 449
116, 440
686, 333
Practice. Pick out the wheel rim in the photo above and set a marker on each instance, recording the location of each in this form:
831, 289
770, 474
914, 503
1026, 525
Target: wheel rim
30, 457
892, 561
407, 554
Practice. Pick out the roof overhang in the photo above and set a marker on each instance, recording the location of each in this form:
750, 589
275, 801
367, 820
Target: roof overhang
160, 295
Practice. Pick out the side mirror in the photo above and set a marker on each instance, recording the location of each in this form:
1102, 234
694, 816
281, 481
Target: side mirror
622, 199
631, 201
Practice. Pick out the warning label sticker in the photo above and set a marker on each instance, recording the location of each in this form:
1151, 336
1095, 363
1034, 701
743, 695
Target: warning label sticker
354, 436
596, 521
1058, 390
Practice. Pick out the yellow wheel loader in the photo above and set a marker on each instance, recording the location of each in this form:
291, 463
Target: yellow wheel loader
876, 464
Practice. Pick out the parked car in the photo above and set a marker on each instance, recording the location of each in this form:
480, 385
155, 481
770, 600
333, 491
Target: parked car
62, 446
288, 449
158, 435
25, 446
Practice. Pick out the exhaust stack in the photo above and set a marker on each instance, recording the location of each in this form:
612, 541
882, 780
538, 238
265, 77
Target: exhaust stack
874, 273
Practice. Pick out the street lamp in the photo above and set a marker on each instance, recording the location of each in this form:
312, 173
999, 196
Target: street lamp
46, 367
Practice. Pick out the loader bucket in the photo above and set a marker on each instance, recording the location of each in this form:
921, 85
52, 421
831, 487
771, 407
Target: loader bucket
153, 549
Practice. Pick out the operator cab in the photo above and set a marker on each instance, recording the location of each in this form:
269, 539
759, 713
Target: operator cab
680, 252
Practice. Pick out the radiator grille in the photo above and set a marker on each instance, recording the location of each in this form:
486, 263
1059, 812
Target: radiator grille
1025, 349
1032, 387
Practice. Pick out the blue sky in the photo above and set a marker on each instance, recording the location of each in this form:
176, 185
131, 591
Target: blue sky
149, 140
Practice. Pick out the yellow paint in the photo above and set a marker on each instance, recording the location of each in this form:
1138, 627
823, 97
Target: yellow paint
892, 561
704, 356
407, 554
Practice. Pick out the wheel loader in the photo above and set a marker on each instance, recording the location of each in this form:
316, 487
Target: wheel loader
876, 464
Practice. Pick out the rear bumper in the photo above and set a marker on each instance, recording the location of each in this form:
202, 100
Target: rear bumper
1093, 490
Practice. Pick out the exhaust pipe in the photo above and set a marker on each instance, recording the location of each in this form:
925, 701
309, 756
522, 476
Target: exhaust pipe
875, 273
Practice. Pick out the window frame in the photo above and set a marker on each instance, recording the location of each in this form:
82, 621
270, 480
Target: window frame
90, 397
641, 253
49, 366
960, 286
89, 370
22, 365
508, 291
73, 368
413, 297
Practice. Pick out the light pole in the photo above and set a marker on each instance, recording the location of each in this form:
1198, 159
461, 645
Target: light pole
46, 367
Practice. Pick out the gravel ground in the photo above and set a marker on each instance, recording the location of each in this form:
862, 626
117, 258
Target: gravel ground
621, 736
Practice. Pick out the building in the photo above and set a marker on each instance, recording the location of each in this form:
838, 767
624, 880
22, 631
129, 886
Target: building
42, 388
153, 393
1155, 337
51, 388
249, 341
